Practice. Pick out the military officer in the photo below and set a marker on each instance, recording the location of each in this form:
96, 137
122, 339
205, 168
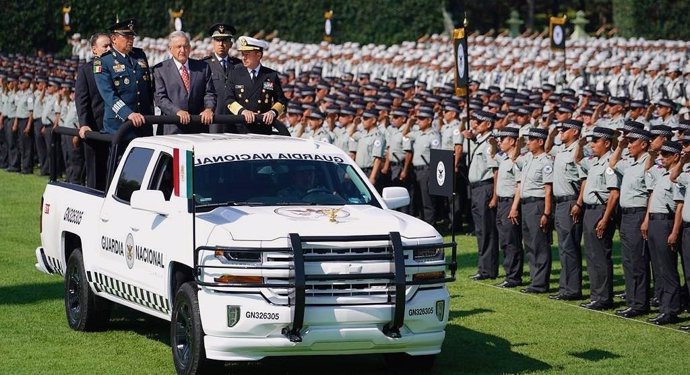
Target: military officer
482, 174
369, 146
255, 90
599, 196
567, 218
221, 64
534, 194
661, 227
419, 144
124, 80
509, 231
634, 196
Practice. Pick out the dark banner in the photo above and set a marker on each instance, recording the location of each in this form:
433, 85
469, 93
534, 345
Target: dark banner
461, 64
557, 33
442, 164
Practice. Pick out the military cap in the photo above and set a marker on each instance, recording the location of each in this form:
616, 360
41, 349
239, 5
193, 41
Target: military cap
483, 116
370, 113
523, 111
637, 104
602, 132
661, 130
635, 133
425, 113
494, 104
509, 131
382, 106
451, 107
407, 86
569, 100
25, 78
483, 92
397, 93
308, 92
569, 92
494, 89
672, 147
399, 112
571, 124
628, 125
501, 114
616, 100
11, 78
683, 125
332, 110
68, 83
540, 133
41, 79
247, 43
221, 31
475, 106
348, 111
667, 103
295, 108
316, 114
548, 87
565, 109
358, 104
534, 105
125, 27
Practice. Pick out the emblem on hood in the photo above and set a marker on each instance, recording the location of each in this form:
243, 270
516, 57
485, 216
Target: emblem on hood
333, 214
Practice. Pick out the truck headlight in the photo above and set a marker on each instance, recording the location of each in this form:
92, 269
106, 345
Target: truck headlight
428, 254
238, 256
233, 315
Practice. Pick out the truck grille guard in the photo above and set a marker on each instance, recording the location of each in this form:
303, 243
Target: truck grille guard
299, 281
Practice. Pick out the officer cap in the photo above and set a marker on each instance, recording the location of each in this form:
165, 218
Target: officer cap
565, 109
25, 78
569, 91
587, 112
524, 111
534, 105
602, 132
425, 113
397, 93
570, 100
382, 106
316, 114
494, 89
637, 104
635, 133
295, 108
41, 79
125, 27
667, 103
67, 84
483, 116
616, 100
221, 31
630, 124
548, 87
451, 108
370, 113
247, 43
661, 130
509, 131
571, 124
358, 104
683, 125
672, 147
540, 133
501, 114
348, 111
11, 78
483, 92
332, 110
494, 104
399, 112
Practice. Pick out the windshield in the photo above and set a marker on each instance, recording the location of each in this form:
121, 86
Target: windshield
279, 182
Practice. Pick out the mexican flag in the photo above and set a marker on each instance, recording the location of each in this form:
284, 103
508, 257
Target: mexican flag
182, 172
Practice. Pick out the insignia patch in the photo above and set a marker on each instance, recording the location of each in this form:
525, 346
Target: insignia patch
435, 142
456, 131
547, 169
97, 68
377, 143
609, 171
142, 63
118, 68
268, 85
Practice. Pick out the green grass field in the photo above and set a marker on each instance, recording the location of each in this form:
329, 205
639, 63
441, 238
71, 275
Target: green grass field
491, 331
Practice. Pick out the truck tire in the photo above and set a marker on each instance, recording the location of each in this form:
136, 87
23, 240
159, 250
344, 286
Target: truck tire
187, 335
406, 362
85, 311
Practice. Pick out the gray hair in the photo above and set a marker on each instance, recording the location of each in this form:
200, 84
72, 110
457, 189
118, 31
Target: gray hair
94, 38
178, 34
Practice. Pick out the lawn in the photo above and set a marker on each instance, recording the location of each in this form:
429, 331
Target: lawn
491, 331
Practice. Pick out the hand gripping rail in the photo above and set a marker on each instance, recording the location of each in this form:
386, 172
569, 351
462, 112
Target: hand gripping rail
300, 279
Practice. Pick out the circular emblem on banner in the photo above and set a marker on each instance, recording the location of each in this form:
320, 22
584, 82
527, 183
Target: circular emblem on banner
440, 173
66, 19
129, 251
327, 27
178, 24
557, 34
461, 61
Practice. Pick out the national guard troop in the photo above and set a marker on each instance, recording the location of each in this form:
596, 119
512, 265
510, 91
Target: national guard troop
37, 126
682, 197
369, 146
452, 140
662, 228
124, 80
634, 196
482, 174
508, 225
255, 91
9, 112
221, 64
534, 195
419, 144
568, 214
396, 162
49, 101
599, 195
317, 131
24, 102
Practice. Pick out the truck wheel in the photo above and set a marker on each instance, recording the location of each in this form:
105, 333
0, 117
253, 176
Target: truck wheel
85, 311
415, 363
187, 335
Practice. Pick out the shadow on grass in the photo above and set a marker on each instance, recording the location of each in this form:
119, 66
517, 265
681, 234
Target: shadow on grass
30, 293
595, 355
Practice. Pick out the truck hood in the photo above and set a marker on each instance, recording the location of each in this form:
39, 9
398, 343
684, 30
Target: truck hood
271, 223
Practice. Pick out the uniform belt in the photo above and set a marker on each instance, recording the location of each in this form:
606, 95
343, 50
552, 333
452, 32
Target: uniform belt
394, 163
686, 224
477, 184
505, 199
565, 198
531, 199
367, 170
633, 210
594, 206
660, 216
420, 167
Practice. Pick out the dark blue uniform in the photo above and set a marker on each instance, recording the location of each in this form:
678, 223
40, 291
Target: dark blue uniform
125, 85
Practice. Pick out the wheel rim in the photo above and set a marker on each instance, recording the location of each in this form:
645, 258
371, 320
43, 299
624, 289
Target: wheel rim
73, 294
183, 334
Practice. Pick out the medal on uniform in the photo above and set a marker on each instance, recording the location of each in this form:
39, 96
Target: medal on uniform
117, 83
118, 68
268, 85
126, 81
142, 63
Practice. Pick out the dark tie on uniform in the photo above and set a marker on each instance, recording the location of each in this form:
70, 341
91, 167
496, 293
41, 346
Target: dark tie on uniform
223, 64
185, 77
253, 75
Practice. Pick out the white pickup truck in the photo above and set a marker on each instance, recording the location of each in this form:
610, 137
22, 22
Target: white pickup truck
251, 246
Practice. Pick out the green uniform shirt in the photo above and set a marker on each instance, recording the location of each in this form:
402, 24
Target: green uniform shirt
394, 142
535, 172
24, 100
634, 192
420, 144
507, 176
662, 200
482, 165
370, 145
600, 179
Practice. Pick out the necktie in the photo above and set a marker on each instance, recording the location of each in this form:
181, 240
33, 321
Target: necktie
253, 74
185, 77
223, 64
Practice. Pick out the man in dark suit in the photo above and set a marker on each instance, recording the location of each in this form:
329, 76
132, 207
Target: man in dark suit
184, 87
221, 64
255, 91
90, 112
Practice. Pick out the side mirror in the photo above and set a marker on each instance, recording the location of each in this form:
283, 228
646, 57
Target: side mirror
396, 197
150, 200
